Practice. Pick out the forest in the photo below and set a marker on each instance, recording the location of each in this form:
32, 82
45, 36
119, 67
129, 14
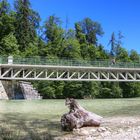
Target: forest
22, 35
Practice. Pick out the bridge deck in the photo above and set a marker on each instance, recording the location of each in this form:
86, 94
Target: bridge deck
68, 70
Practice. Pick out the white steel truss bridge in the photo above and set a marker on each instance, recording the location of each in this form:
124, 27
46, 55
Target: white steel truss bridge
44, 69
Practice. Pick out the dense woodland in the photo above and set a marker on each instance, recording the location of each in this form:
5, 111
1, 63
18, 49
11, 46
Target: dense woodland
22, 35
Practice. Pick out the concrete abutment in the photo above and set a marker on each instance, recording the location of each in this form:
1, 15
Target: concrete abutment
11, 89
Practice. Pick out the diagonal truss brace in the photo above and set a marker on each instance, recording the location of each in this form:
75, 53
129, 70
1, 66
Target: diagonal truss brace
67, 74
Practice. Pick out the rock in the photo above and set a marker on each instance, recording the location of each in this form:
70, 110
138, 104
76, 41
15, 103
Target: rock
76, 131
106, 133
120, 130
81, 132
107, 128
129, 130
101, 129
89, 138
84, 132
135, 138
93, 131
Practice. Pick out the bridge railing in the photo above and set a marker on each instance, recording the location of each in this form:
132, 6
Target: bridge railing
68, 62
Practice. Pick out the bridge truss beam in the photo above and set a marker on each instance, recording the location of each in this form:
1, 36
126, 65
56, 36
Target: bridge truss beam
67, 73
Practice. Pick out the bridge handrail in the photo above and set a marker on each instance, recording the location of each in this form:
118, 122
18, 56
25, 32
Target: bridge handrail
68, 62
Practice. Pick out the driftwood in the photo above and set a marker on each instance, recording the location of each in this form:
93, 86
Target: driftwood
78, 117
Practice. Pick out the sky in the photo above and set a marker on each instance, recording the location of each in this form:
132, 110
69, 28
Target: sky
113, 15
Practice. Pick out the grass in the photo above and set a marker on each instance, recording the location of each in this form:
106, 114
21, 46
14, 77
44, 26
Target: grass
40, 119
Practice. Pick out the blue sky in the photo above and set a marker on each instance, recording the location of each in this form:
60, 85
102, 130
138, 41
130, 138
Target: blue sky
113, 15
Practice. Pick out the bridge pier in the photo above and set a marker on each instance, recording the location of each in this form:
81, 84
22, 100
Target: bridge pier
11, 89
3, 94
7, 90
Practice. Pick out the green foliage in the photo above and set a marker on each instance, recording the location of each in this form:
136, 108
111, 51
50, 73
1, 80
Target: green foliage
8, 42
134, 56
70, 34
54, 35
130, 89
113, 45
50, 89
71, 49
46, 89
101, 53
110, 90
92, 51
9, 45
42, 50
81, 37
6, 24
91, 29
59, 86
116, 90
90, 89
7, 38
122, 55
26, 23
105, 93
52, 29
32, 50
73, 90
4, 7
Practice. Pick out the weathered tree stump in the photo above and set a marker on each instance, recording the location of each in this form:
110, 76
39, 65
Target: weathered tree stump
78, 117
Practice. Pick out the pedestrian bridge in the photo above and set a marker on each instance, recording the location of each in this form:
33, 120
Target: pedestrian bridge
37, 68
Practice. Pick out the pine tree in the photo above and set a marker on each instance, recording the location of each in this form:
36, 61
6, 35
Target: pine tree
6, 19
27, 21
81, 37
54, 35
113, 45
8, 42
